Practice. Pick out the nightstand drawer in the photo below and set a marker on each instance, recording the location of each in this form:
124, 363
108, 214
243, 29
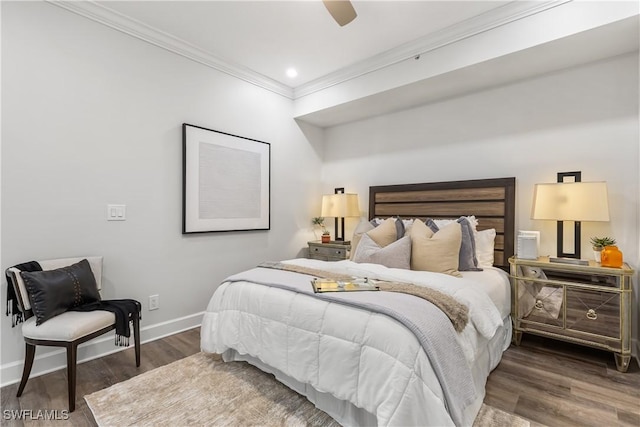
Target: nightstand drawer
593, 312
318, 252
590, 279
540, 302
328, 251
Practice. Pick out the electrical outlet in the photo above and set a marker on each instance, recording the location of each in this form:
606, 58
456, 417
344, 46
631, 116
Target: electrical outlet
154, 302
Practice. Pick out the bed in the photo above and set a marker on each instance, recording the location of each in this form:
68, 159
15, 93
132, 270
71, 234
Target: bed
379, 358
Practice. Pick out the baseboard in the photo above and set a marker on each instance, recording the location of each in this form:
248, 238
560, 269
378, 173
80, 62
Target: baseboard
99, 347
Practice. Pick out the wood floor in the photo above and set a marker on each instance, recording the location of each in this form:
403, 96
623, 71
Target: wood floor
561, 384
50, 391
548, 382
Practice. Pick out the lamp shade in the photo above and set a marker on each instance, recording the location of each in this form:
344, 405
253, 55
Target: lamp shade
571, 201
340, 205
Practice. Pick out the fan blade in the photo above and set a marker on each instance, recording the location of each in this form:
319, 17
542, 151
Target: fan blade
341, 10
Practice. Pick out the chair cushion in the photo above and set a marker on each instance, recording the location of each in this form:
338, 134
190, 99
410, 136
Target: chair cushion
68, 326
52, 292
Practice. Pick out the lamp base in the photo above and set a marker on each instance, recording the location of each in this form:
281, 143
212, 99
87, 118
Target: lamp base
569, 261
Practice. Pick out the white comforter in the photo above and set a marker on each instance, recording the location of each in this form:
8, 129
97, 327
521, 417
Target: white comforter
367, 359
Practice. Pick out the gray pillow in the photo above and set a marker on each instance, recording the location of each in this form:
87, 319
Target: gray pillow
468, 260
394, 255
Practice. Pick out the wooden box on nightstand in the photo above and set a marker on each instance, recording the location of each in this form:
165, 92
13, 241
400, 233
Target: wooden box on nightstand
583, 304
328, 251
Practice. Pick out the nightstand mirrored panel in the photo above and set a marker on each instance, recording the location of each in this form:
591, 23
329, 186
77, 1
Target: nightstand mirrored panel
593, 312
540, 302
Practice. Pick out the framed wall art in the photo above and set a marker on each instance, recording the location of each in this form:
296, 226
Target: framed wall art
226, 181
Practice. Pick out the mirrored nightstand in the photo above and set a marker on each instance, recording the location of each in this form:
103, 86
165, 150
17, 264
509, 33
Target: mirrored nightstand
583, 304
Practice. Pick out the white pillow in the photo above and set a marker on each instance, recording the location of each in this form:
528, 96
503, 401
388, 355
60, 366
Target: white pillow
363, 227
407, 222
441, 223
407, 226
484, 247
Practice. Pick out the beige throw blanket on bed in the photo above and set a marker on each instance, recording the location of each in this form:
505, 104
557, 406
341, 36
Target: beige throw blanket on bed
457, 312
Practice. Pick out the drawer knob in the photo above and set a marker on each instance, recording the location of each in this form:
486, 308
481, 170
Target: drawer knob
539, 305
591, 314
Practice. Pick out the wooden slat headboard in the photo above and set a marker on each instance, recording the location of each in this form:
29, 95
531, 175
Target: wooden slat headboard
492, 201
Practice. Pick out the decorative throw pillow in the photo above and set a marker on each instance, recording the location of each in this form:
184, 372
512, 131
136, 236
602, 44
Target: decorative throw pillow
399, 223
433, 226
52, 292
386, 233
467, 260
484, 247
362, 228
394, 255
407, 223
437, 252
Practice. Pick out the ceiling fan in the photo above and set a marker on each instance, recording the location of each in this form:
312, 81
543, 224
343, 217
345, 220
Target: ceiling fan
341, 10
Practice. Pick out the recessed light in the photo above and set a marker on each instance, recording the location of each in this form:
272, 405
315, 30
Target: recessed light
292, 73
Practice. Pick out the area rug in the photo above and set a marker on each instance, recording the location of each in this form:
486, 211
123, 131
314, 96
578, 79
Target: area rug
203, 390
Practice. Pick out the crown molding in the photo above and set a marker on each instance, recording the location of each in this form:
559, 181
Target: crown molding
503, 15
118, 21
489, 20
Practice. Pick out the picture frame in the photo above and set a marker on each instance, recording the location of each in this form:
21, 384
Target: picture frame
226, 182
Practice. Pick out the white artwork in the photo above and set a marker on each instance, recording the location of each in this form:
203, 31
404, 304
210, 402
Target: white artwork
226, 182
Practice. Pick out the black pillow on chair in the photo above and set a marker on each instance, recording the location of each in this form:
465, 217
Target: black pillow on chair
53, 292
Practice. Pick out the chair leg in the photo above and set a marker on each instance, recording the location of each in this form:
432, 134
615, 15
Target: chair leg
71, 374
29, 355
136, 338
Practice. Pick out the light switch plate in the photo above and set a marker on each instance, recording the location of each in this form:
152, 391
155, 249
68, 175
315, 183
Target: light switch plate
116, 212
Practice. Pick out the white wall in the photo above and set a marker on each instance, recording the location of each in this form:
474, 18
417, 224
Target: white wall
93, 116
580, 119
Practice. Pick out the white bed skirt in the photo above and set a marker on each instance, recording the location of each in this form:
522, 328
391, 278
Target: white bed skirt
347, 414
